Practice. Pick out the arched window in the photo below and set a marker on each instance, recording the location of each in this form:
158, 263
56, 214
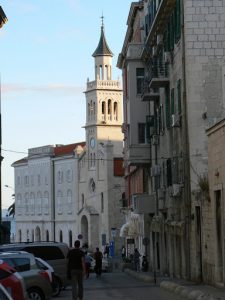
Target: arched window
115, 110
109, 107
93, 108
70, 238
20, 235
82, 200
69, 201
19, 204
46, 203
60, 236
47, 236
39, 200
28, 238
32, 203
106, 72
100, 72
26, 203
103, 107
89, 110
59, 202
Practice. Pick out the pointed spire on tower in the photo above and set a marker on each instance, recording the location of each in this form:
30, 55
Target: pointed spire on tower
102, 48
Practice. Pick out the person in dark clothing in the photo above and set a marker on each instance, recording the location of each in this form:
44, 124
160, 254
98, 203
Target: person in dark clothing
98, 262
106, 252
136, 260
144, 264
76, 270
87, 260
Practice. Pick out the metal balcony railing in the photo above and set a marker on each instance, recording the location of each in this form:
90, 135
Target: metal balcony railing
149, 94
159, 76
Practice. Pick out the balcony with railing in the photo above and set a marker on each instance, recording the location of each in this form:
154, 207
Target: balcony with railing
138, 154
160, 19
104, 84
149, 94
159, 76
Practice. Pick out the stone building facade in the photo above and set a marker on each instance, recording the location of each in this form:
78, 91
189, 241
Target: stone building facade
173, 69
213, 207
46, 197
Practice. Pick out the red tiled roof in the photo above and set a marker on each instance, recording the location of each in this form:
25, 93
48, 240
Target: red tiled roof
67, 149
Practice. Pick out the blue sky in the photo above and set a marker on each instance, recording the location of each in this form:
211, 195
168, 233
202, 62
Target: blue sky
45, 60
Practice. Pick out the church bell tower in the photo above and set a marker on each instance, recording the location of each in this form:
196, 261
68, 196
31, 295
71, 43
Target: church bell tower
103, 103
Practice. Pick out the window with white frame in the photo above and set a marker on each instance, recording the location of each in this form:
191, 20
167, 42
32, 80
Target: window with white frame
60, 176
26, 203
69, 201
32, 203
59, 202
39, 201
19, 204
46, 203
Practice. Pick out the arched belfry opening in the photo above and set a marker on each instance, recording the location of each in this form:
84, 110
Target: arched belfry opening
37, 234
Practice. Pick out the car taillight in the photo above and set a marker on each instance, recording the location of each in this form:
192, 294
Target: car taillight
45, 274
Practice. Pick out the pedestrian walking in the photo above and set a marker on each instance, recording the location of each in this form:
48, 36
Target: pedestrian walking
106, 251
87, 260
144, 264
98, 262
123, 253
76, 270
136, 260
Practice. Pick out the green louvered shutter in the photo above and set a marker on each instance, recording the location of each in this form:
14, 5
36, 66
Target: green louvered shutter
179, 96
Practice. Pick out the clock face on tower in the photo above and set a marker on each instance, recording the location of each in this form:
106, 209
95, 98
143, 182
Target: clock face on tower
92, 142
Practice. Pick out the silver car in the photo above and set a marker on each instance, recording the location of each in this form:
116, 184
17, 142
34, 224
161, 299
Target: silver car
37, 281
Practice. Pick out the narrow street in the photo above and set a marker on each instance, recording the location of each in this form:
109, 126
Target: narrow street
119, 286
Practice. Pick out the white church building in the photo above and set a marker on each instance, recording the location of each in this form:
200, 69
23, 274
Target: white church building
65, 192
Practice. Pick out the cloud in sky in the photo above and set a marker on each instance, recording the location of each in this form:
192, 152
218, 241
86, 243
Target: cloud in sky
48, 88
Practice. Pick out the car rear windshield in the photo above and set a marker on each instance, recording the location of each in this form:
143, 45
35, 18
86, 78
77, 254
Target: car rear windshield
46, 252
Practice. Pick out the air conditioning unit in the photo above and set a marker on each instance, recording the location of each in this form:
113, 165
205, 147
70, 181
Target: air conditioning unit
159, 39
143, 203
155, 170
167, 57
155, 139
175, 190
175, 120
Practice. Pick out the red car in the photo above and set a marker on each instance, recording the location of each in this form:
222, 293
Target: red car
12, 281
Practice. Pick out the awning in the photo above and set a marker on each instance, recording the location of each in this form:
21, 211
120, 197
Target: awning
124, 230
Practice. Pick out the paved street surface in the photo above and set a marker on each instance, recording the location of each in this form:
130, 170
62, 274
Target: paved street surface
119, 286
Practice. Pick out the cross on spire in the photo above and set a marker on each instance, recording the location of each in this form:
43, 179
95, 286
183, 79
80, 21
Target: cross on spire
102, 17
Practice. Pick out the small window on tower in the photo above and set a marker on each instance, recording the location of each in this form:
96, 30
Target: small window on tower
118, 167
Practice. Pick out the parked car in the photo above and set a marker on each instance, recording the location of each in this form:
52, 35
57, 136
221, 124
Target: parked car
12, 282
37, 281
52, 252
4, 295
42, 264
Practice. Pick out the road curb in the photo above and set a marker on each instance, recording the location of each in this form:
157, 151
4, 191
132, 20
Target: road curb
187, 293
170, 286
